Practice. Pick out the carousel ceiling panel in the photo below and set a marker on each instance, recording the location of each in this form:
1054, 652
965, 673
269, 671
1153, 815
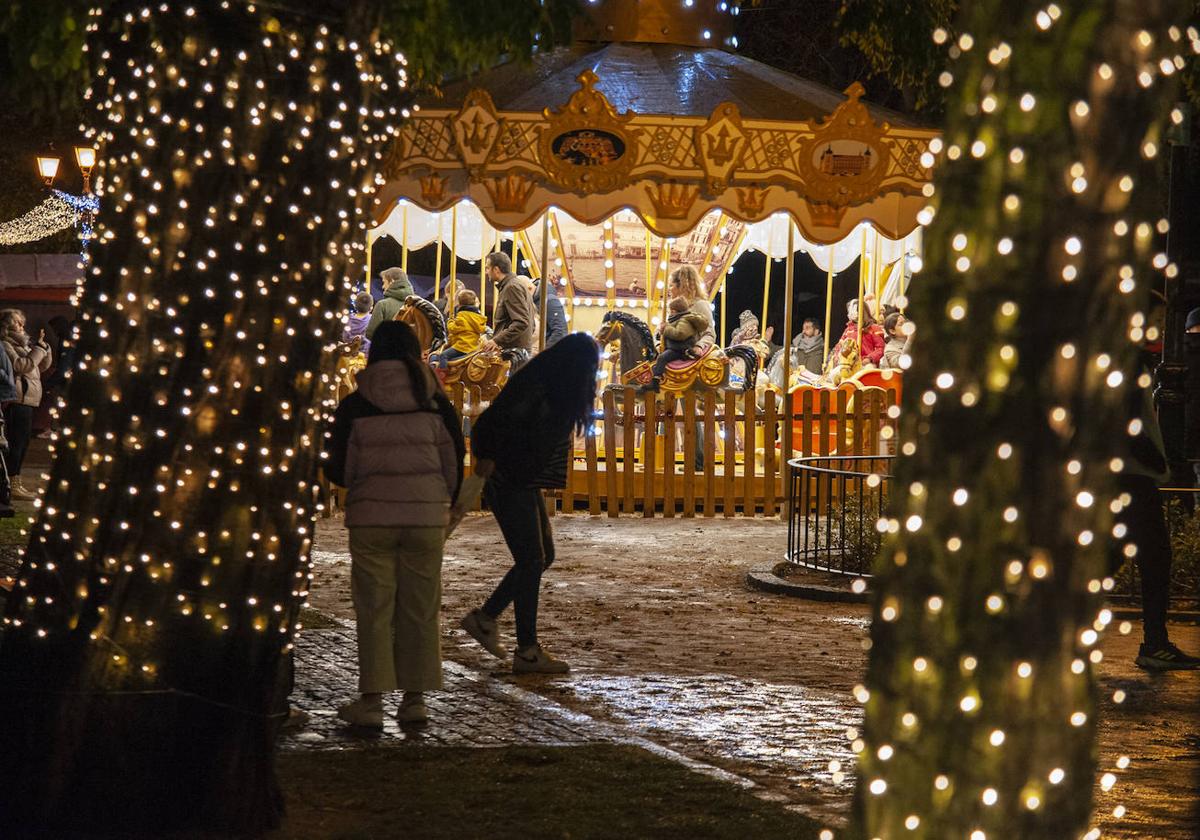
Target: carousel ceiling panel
658, 79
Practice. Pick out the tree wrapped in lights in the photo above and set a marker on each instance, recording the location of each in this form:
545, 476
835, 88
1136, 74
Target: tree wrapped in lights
1043, 243
143, 664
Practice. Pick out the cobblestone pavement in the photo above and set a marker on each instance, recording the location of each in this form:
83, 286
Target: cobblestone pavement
473, 709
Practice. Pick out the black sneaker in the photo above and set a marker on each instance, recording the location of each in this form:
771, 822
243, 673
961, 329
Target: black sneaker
1165, 657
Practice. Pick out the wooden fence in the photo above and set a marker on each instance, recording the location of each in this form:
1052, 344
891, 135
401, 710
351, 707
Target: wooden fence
704, 455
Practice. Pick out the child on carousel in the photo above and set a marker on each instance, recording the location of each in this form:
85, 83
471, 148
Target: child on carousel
683, 331
465, 330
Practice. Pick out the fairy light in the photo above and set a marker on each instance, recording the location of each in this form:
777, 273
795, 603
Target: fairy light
1031, 182
196, 407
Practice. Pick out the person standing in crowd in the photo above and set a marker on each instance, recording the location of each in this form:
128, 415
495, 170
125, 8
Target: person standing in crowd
465, 330
899, 332
809, 347
1141, 527
522, 443
396, 290
29, 361
512, 320
397, 446
556, 316
360, 316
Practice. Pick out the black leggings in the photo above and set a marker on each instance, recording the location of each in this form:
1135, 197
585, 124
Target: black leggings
1146, 527
521, 514
665, 358
18, 420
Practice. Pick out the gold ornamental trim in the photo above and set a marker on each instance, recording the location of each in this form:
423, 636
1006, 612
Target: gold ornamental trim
589, 160
586, 146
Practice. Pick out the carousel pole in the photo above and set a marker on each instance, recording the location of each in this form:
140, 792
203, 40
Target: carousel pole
724, 287
483, 297
437, 263
545, 272
789, 284
651, 277
767, 296
664, 259
828, 305
610, 262
370, 250
863, 268
404, 243
451, 298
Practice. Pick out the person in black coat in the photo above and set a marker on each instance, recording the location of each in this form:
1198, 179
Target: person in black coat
556, 316
523, 444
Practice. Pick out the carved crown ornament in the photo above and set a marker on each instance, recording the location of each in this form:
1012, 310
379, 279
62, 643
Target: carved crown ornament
586, 146
510, 193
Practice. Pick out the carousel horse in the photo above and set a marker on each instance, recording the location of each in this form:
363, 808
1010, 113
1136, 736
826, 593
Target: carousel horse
426, 321
637, 354
486, 371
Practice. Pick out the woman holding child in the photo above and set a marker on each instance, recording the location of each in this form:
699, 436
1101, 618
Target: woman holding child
689, 330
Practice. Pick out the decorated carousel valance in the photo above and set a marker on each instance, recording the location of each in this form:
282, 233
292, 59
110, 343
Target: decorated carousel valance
830, 174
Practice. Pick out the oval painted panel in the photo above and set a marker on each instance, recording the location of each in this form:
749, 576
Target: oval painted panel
845, 158
588, 147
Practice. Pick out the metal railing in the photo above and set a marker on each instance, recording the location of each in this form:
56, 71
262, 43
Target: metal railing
836, 502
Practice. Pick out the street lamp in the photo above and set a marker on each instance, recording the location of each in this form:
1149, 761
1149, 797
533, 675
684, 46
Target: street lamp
85, 156
48, 168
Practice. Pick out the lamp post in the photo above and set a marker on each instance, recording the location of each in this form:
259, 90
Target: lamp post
85, 157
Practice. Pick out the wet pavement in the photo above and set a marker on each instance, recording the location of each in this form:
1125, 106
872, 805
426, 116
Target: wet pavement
669, 647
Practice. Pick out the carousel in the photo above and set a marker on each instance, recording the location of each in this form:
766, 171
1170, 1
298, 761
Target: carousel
645, 146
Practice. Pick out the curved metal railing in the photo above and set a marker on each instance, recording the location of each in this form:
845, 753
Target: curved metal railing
836, 501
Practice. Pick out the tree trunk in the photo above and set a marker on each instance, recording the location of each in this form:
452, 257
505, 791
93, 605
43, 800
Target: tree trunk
145, 663
980, 695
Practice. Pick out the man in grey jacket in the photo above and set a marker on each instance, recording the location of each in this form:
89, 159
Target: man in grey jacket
512, 325
396, 289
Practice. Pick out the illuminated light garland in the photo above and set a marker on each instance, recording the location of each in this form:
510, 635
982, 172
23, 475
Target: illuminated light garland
55, 214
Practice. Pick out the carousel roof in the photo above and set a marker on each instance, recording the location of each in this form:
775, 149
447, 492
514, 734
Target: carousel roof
658, 79
643, 114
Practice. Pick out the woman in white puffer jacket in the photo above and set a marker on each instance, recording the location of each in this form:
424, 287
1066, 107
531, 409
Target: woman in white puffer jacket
29, 361
397, 446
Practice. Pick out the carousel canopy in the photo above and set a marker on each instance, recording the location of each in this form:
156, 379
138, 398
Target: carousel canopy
660, 79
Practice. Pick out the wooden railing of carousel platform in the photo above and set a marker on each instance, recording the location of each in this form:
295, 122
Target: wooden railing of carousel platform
621, 468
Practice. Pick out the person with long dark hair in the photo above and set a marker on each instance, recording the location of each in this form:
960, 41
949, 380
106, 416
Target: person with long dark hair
396, 444
523, 445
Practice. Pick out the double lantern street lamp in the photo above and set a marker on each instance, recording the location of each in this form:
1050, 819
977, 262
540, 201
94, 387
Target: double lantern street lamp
85, 156
86, 206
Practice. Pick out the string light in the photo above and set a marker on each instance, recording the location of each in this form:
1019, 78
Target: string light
191, 428
1007, 257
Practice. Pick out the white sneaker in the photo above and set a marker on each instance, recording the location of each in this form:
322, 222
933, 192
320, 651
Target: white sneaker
412, 708
367, 714
482, 628
534, 660
17, 491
